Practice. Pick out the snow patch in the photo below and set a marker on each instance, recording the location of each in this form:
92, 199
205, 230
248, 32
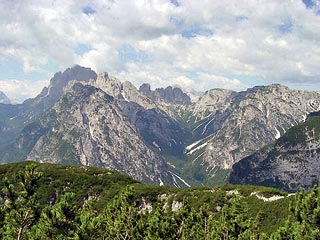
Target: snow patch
192, 145
196, 143
171, 165
265, 199
156, 145
278, 134
197, 148
197, 157
182, 180
123, 94
161, 183
205, 127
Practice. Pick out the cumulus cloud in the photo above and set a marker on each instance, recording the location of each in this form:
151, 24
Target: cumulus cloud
196, 44
213, 81
19, 90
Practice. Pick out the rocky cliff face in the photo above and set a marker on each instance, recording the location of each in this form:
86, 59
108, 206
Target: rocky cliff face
15, 117
292, 162
3, 98
86, 126
103, 123
92, 119
125, 91
171, 95
248, 120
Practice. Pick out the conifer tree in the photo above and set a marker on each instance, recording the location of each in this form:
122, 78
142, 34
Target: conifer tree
304, 221
234, 223
120, 216
21, 208
58, 221
89, 222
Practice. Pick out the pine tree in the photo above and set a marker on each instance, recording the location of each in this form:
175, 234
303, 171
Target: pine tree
21, 208
89, 222
58, 221
195, 223
120, 216
304, 221
234, 223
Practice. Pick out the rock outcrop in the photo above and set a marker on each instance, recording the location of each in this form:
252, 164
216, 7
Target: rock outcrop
171, 95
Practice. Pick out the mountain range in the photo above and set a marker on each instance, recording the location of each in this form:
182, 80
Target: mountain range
158, 136
3, 98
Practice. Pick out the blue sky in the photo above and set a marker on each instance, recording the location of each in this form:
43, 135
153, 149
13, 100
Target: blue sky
197, 45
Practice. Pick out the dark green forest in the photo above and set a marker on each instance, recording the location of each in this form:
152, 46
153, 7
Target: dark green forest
46, 201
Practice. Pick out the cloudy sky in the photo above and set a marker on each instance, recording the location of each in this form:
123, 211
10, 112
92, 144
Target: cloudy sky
199, 45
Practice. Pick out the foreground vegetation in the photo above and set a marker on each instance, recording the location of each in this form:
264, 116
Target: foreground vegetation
43, 201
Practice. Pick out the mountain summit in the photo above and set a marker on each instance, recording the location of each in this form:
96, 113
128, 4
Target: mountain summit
169, 94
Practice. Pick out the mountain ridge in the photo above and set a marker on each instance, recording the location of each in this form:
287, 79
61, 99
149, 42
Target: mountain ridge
290, 163
4, 99
194, 143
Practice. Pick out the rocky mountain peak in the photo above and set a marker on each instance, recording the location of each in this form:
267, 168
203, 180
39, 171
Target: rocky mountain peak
173, 95
212, 101
108, 84
3, 98
61, 80
146, 89
123, 91
274, 89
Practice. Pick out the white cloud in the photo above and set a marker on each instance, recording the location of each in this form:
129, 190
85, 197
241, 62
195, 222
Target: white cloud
19, 90
277, 41
214, 81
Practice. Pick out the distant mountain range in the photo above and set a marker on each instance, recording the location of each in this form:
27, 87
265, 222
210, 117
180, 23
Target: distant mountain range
158, 136
3, 98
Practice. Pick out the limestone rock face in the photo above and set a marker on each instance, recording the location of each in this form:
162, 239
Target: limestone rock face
125, 91
15, 117
86, 126
248, 120
171, 95
290, 163
157, 136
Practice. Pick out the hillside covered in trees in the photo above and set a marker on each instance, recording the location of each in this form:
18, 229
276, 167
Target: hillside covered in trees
45, 201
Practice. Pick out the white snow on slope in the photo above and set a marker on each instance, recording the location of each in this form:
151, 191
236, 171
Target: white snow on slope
197, 148
182, 180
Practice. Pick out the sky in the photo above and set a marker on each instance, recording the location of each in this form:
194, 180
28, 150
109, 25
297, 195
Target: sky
198, 45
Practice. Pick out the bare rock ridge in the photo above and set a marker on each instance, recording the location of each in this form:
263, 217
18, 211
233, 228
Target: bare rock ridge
3, 98
86, 126
61, 80
157, 136
123, 91
15, 117
168, 95
248, 120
